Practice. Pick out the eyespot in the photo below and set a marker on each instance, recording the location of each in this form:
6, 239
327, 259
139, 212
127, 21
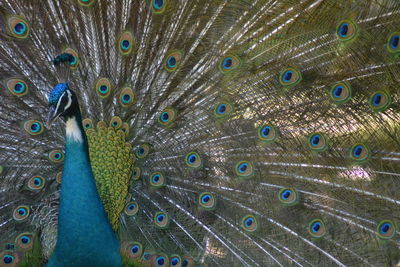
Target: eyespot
316, 228
223, 109
18, 27
157, 179
103, 87
159, 6
126, 43
86, 3
244, 169
24, 241
167, 117
142, 151
131, 208
17, 87
379, 101
249, 223
187, 261
193, 160
136, 173
393, 43
56, 156
147, 256
346, 30
125, 128
127, 97
33, 127
386, 229
161, 260
8, 258
175, 260
290, 77
267, 133
288, 196
133, 250
173, 60
207, 201
161, 219
21, 213
116, 122
36, 183
59, 177
359, 152
87, 124
340, 92
317, 142
75, 58
229, 63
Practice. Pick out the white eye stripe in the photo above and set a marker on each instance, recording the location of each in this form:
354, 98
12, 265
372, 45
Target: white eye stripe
61, 98
59, 102
69, 100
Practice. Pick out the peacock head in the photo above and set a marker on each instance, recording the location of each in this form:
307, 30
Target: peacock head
63, 102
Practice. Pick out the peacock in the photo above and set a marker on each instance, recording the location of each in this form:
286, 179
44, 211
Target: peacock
199, 133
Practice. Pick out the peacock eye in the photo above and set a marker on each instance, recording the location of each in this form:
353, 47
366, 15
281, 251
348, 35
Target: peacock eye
249, 223
229, 63
393, 43
379, 101
21, 213
161, 219
386, 229
290, 77
33, 127
126, 43
36, 183
317, 228
161, 261
175, 260
157, 179
56, 156
223, 109
340, 92
193, 160
87, 124
136, 173
267, 133
8, 259
131, 208
244, 169
173, 60
18, 27
116, 122
346, 30
24, 241
103, 87
167, 117
318, 142
127, 97
288, 196
359, 152
159, 6
134, 249
207, 201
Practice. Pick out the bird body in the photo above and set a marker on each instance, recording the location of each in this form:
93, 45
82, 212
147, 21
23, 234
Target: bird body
199, 133
85, 236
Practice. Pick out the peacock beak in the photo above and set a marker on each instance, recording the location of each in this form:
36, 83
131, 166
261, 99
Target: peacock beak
52, 116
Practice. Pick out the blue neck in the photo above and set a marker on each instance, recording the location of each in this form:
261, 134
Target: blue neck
85, 236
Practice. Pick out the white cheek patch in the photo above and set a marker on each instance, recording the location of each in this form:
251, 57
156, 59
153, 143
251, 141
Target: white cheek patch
73, 131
